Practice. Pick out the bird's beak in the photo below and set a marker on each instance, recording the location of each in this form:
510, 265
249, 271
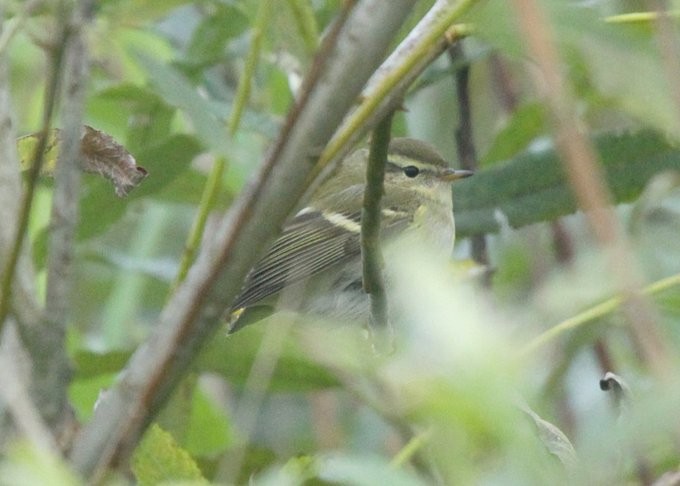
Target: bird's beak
451, 175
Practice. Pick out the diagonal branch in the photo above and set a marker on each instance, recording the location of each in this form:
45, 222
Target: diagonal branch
385, 90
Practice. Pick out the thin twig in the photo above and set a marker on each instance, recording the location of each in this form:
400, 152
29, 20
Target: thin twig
465, 144
306, 22
371, 252
25, 302
258, 31
51, 91
14, 25
587, 180
213, 184
595, 312
386, 88
14, 392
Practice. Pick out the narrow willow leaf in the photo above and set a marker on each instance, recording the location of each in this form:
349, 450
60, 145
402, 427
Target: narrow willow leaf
533, 186
554, 439
100, 154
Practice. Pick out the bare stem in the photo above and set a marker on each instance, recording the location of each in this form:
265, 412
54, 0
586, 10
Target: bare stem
51, 91
465, 144
371, 252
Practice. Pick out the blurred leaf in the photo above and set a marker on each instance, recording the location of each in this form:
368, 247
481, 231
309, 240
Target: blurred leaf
210, 37
496, 23
610, 53
167, 161
89, 364
297, 470
208, 429
177, 91
187, 189
526, 123
554, 439
84, 393
136, 12
27, 466
232, 356
26, 147
532, 187
159, 458
363, 470
147, 117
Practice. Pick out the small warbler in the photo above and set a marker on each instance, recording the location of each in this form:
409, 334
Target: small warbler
320, 246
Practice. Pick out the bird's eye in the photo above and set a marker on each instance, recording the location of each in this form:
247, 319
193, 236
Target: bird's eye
411, 171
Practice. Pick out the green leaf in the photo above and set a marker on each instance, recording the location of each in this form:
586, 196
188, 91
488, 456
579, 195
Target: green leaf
84, 393
554, 440
177, 91
137, 12
147, 117
526, 124
614, 56
363, 470
31, 467
533, 187
89, 364
159, 458
208, 430
210, 37
232, 356
187, 190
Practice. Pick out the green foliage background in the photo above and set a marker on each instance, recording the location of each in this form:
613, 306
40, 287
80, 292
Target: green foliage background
163, 82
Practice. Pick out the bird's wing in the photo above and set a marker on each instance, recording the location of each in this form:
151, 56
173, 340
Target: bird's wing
311, 243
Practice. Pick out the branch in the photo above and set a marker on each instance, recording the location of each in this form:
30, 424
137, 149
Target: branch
465, 145
52, 366
25, 302
386, 89
371, 254
14, 24
14, 392
16, 246
193, 314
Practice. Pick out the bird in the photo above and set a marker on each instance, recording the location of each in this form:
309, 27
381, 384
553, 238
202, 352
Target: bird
320, 247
